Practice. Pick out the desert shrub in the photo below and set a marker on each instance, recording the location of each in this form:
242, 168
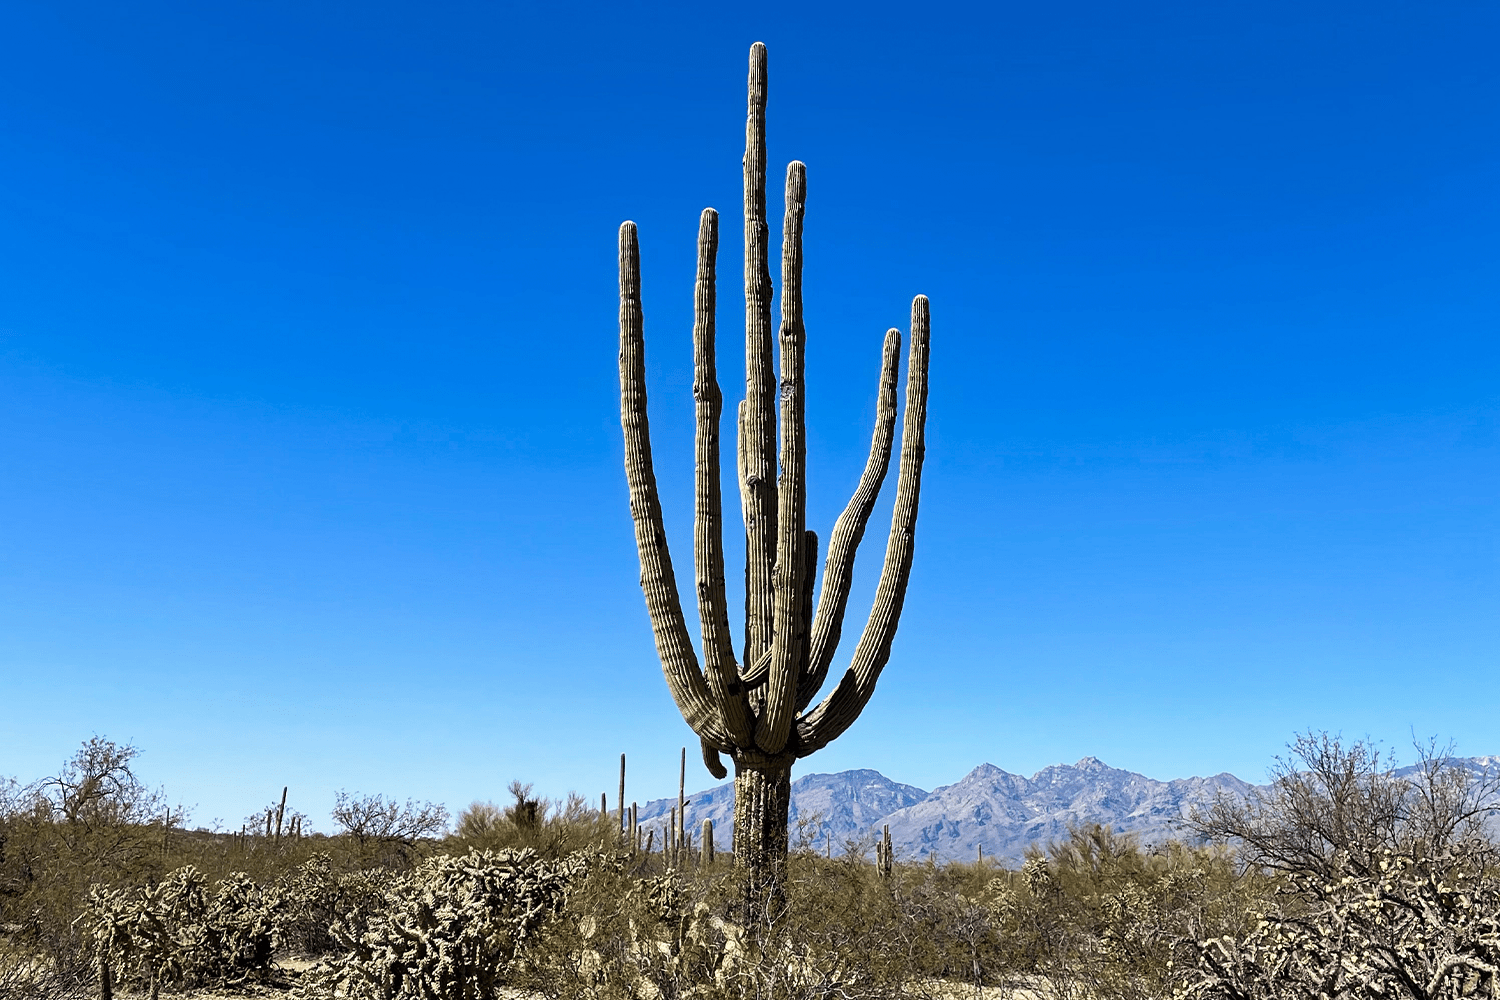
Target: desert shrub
554, 829
1387, 885
453, 927
92, 822
628, 934
1332, 806
319, 896
384, 831
1098, 913
1417, 927
633, 929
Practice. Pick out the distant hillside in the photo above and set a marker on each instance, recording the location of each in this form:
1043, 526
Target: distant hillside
1001, 812
989, 808
847, 805
1004, 813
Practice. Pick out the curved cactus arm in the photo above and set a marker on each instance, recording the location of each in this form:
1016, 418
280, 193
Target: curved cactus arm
708, 537
758, 420
712, 762
673, 645
838, 570
838, 711
789, 640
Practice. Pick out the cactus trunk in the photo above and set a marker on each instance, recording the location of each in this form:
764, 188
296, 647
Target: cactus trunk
756, 710
762, 798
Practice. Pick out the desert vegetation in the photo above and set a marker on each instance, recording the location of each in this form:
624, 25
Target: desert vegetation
1343, 878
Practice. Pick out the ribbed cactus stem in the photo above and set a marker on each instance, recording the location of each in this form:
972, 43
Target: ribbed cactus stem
708, 843
758, 430
838, 711
790, 631
280, 812
682, 794
849, 530
658, 583
723, 673
621, 800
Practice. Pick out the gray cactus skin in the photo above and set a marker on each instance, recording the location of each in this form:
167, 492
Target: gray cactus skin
755, 708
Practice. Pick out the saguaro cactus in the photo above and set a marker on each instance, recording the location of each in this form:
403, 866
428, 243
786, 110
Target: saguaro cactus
755, 708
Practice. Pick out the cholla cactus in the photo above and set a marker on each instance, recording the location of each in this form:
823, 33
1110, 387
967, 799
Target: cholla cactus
755, 708
1417, 927
452, 928
179, 933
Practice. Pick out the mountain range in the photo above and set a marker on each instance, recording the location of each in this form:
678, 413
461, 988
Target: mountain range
989, 809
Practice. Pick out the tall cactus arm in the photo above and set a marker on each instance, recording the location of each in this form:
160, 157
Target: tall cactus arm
673, 645
789, 639
758, 425
708, 537
838, 711
838, 571
809, 578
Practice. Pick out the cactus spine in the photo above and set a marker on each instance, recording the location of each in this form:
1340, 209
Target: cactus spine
755, 708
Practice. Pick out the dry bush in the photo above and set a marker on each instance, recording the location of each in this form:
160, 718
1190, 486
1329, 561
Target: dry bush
633, 928
554, 829
1388, 887
92, 822
384, 831
1096, 915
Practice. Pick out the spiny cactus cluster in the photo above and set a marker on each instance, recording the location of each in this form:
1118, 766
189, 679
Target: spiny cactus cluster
675, 944
179, 932
1413, 927
453, 927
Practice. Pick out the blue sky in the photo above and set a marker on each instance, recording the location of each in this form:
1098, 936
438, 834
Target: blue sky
312, 462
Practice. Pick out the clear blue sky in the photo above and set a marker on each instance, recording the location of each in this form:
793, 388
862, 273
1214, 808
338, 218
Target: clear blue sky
311, 455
